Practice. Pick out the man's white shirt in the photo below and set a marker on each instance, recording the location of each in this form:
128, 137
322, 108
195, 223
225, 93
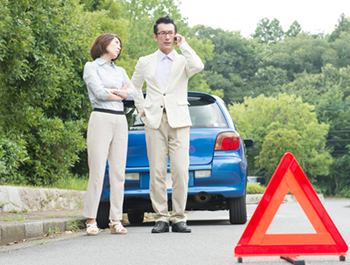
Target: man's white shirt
163, 68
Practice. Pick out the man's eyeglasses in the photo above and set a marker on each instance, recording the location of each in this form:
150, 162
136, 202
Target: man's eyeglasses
164, 33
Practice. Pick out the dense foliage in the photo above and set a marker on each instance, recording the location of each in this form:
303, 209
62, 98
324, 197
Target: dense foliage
287, 90
279, 125
43, 101
315, 68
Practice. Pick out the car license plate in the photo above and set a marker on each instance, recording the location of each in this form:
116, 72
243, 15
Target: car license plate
169, 181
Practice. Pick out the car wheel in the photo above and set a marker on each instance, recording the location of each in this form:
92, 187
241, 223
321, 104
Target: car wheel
135, 217
238, 210
103, 215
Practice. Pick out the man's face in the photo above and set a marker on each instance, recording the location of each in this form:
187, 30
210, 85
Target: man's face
165, 37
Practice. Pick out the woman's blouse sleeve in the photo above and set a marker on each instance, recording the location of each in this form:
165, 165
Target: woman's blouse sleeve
94, 83
131, 90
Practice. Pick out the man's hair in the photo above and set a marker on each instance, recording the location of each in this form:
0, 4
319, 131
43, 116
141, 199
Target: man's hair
99, 47
166, 20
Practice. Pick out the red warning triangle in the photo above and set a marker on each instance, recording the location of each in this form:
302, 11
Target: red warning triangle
255, 242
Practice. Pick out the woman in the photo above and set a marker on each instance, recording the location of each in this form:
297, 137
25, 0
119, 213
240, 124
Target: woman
107, 134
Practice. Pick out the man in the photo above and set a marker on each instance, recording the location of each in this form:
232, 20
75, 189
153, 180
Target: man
167, 121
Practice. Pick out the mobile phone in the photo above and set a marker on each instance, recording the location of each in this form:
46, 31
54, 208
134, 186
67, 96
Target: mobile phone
175, 39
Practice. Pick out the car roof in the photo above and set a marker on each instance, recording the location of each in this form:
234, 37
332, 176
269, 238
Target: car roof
206, 97
193, 94
201, 95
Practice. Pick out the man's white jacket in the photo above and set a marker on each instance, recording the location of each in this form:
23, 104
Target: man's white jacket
174, 97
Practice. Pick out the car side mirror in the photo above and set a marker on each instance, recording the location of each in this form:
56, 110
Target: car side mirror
249, 143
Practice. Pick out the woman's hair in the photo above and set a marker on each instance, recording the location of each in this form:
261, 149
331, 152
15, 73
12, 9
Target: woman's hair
100, 45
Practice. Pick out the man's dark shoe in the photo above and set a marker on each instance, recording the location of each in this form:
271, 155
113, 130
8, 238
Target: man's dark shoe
160, 227
181, 227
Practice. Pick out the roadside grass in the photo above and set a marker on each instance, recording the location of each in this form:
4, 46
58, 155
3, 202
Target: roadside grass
71, 183
52, 232
74, 225
67, 183
40, 243
10, 217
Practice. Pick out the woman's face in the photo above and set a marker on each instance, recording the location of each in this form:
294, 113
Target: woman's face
114, 48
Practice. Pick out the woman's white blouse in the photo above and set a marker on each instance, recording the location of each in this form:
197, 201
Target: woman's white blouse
100, 77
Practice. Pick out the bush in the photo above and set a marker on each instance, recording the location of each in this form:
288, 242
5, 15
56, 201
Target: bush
12, 155
255, 189
279, 125
43, 99
54, 148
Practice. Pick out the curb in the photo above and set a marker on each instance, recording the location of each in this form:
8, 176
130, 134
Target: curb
38, 200
46, 211
19, 230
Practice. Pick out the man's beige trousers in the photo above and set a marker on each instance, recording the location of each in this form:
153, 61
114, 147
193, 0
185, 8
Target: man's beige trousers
162, 143
107, 137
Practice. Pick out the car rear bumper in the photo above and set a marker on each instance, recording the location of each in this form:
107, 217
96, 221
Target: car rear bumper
227, 179
227, 192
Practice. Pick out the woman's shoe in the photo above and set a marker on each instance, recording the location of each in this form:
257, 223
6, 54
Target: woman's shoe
117, 228
92, 229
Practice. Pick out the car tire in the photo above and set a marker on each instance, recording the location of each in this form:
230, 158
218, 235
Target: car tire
135, 217
103, 215
238, 210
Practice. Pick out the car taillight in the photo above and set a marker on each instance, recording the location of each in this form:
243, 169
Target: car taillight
227, 141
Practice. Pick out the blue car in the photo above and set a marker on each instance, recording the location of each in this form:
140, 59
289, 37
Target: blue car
217, 171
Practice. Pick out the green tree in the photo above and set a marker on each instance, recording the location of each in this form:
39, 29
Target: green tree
293, 30
298, 54
340, 176
204, 49
279, 125
233, 63
343, 26
329, 91
269, 31
342, 48
43, 99
269, 80
314, 88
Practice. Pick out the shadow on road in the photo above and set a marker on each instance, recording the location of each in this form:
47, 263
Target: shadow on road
190, 222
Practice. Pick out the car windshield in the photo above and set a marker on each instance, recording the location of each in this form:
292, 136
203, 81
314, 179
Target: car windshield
204, 112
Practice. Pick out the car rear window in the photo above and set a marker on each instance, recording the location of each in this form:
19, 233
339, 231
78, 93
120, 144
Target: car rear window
204, 113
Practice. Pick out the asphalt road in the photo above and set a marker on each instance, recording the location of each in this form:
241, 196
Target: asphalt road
212, 241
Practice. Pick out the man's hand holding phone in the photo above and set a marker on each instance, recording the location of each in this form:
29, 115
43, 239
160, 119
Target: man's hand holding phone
179, 40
